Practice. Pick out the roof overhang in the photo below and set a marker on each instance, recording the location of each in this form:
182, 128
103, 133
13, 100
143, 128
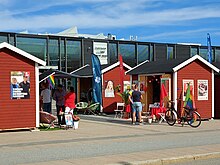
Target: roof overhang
183, 64
115, 65
137, 66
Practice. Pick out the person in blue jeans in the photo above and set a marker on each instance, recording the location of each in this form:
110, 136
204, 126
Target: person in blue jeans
135, 99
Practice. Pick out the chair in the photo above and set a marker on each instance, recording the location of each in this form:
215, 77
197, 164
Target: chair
120, 110
162, 114
162, 117
81, 106
47, 119
92, 109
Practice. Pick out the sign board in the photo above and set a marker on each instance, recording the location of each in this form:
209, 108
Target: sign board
100, 49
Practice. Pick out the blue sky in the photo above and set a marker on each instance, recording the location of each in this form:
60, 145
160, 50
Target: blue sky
166, 21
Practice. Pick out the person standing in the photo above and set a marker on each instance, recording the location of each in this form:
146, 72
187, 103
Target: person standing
135, 100
70, 98
59, 97
130, 94
46, 97
25, 85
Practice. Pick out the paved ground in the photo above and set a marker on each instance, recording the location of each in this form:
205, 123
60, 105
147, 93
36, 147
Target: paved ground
100, 128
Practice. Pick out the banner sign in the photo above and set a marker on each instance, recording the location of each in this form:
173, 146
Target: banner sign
100, 49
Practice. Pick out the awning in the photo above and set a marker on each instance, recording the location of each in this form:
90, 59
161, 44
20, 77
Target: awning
58, 74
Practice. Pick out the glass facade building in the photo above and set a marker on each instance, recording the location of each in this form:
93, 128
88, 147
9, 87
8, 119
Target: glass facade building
70, 53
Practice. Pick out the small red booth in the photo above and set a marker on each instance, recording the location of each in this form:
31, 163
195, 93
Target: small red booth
19, 86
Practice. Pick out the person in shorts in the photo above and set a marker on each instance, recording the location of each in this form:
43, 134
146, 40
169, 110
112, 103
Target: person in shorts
135, 99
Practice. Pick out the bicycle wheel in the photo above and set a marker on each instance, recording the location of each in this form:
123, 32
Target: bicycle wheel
170, 117
194, 120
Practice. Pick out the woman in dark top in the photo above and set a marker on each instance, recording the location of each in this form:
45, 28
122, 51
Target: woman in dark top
135, 99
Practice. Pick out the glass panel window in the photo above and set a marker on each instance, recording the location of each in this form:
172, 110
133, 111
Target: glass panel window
62, 52
73, 55
194, 51
113, 53
170, 52
217, 55
128, 53
3, 38
34, 46
151, 52
53, 52
203, 52
143, 53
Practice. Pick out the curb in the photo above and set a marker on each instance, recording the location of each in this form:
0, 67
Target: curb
178, 159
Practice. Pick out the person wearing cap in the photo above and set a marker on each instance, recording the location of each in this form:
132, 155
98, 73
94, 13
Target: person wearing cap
25, 85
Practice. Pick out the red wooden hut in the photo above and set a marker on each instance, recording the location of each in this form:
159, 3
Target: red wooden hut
111, 74
19, 86
175, 74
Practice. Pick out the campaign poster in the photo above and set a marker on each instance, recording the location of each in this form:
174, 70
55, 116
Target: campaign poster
127, 85
185, 85
109, 89
167, 85
202, 89
20, 85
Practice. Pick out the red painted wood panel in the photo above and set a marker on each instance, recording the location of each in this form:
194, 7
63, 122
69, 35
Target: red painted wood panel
109, 103
19, 113
197, 71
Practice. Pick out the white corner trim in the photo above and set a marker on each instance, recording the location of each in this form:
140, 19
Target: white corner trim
79, 68
137, 66
48, 67
191, 60
213, 94
175, 89
115, 65
37, 95
23, 53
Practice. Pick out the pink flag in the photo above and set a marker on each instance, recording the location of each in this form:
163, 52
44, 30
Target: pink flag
122, 72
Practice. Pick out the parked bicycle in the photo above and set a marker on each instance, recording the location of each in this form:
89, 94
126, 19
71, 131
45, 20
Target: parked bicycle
191, 116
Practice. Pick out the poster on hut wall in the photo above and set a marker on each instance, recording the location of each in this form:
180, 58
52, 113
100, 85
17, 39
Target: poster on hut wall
185, 85
167, 85
202, 89
127, 85
142, 86
109, 89
20, 85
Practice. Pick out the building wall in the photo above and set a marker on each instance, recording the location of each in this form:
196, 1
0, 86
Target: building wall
160, 52
109, 103
182, 51
196, 71
16, 113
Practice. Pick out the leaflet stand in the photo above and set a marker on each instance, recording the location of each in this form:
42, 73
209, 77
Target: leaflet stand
69, 120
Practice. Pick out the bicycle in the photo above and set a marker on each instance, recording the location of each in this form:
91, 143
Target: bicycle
191, 116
